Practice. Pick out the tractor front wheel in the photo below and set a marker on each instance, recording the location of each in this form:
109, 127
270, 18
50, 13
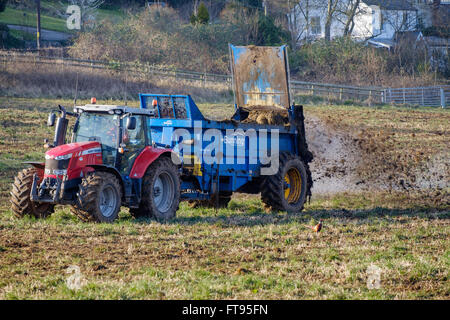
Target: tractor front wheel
21, 203
99, 198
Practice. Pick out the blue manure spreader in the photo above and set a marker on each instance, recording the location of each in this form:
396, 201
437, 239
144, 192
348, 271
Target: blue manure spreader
217, 158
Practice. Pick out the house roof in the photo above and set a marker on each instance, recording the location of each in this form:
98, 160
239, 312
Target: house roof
408, 35
381, 43
391, 4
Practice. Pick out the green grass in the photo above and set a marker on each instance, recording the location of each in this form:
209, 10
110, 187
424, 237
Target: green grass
17, 17
14, 16
22, 35
234, 253
239, 252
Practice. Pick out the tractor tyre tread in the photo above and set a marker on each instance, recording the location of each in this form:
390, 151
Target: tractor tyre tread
272, 192
21, 203
87, 209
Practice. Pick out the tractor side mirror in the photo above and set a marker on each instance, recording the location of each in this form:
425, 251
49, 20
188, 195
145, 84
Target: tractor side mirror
131, 123
51, 119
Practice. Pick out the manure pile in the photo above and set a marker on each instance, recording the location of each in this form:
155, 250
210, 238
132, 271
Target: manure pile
267, 115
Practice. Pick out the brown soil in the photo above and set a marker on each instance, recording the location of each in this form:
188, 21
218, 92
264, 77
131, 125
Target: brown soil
336, 159
358, 159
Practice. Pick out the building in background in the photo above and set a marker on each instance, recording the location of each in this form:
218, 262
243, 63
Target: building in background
361, 19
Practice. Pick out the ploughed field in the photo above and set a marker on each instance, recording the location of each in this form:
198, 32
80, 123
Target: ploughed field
381, 187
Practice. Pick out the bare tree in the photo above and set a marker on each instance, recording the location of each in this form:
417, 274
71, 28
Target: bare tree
350, 14
304, 17
332, 9
399, 20
299, 12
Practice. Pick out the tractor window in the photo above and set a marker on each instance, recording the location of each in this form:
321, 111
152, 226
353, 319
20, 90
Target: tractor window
134, 141
100, 127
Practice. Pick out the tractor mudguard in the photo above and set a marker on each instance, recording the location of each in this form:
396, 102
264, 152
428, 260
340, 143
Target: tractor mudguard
102, 167
37, 165
145, 159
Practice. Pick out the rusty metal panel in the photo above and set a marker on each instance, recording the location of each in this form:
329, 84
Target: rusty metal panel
260, 76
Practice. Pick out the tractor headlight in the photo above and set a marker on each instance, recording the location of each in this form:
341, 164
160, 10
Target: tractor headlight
64, 157
59, 172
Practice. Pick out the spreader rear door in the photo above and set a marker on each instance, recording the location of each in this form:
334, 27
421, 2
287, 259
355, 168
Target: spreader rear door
260, 76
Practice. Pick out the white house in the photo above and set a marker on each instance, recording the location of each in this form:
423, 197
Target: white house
373, 19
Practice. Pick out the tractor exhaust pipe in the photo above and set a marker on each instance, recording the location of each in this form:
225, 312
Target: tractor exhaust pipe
61, 128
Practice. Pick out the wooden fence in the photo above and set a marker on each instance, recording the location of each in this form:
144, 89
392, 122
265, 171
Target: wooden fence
423, 96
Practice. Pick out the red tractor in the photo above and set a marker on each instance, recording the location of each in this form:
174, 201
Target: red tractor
110, 162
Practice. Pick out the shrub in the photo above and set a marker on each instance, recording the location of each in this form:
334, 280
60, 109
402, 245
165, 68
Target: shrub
3, 5
159, 36
341, 60
203, 14
269, 34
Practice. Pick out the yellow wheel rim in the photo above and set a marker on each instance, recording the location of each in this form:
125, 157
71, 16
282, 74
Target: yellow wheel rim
293, 185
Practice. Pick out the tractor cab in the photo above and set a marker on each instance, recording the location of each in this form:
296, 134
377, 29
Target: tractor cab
120, 131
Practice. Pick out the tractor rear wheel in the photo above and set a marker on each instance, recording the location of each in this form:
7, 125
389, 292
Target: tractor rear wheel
99, 198
160, 191
21, 203
286, 190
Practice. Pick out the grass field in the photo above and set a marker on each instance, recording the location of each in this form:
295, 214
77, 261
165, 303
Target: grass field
17, 17
27, 17
242, 252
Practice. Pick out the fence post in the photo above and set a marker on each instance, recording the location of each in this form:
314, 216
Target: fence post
423, 99
442, 98
404, 96
340, 94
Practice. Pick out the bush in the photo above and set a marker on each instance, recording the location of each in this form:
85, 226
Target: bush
159, 36
269, 34
203, 14
341, 60
193, 19
3, 5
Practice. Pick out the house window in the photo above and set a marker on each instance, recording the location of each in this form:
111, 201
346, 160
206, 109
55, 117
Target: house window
315, 25
405, 20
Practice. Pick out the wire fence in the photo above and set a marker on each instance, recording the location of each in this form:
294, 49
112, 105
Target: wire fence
422, 96
438, 96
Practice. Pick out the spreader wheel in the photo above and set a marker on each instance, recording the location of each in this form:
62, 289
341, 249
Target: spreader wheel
286, 190
21, 203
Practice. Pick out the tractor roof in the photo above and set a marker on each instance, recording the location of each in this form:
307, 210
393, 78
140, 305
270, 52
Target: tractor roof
113, 109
